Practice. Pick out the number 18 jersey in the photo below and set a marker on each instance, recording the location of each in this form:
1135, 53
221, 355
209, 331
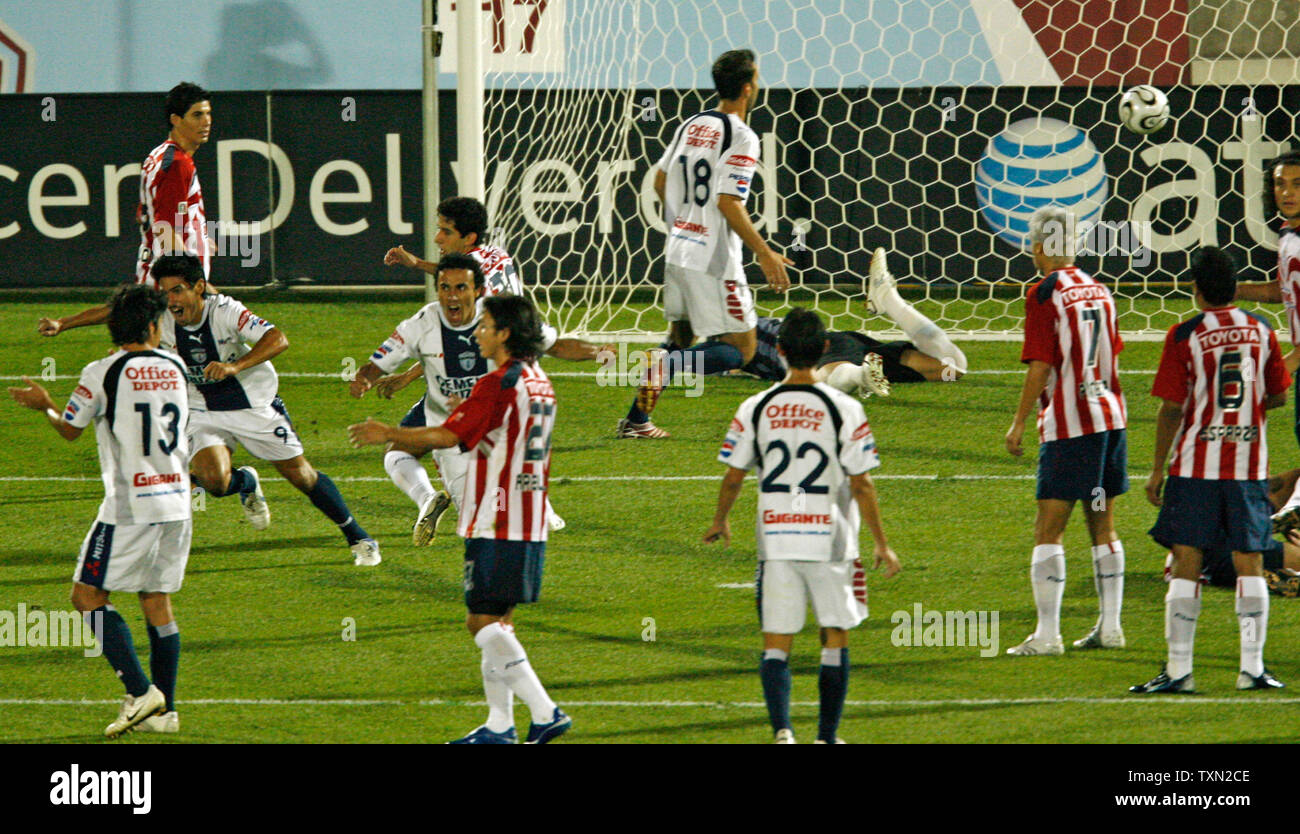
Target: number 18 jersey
712, 153
805, 441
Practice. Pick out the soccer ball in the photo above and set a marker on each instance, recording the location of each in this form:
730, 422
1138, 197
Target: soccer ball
1144, 109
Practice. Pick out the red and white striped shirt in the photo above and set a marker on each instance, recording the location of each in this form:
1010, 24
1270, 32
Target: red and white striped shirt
1288, 277
170, 201
1070, 325
1211, 366
506, 422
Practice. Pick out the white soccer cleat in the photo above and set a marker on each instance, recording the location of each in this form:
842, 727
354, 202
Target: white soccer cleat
641, 430
135, 710
365, 553
784, 737
879, 282
837, 740
167, 722
255, 508
426, 524
553, 519
872, 380
1034, 647
1098, 639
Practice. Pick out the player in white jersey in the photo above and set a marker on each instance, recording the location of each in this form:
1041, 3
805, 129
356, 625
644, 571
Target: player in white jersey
140, 541
703, 180
234, 398
813, 449
506, 425
462, 228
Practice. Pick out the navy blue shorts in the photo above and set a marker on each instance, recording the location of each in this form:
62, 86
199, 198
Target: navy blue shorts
1075, 469
414, 418
500, 574
1215, 515
851, 347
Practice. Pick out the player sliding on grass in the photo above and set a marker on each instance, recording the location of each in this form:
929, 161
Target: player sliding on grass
813, 449
1072, 348
506, 426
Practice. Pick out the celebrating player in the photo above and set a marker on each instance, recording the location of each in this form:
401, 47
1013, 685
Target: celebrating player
140, 540
1072, 348
506, 422
1220, 371
234, 396
703, 181
813, 449
170, 212
462, 229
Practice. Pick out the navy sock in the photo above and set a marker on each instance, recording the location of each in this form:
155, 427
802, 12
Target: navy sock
776, 691
834, 686
119, 651
327, 499
164, 658
240, 481
711, 357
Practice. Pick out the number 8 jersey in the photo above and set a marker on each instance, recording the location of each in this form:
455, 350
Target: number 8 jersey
140, 408
712, 153
805, 441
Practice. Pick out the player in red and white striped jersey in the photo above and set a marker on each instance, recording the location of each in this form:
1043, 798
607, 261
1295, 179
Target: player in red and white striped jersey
1219, 372
1072, 348
506, 422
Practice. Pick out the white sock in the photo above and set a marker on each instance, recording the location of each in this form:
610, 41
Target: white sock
507, 654
1108, 577
775, 654
500, 700
409, 475
1252, 619
1182, 607
845, 378
1047, 573
928, 337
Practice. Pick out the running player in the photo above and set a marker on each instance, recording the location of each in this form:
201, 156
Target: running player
233, 392
1072, 348
703, 180
507, 423
140, 540
813, 449
1220, 371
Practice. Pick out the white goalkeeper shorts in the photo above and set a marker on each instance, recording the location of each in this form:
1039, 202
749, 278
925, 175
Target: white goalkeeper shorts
265, 432
135, 557
837, 590
712, 305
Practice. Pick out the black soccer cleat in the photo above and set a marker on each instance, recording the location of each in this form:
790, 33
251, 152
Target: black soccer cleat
1162, 684
1265, 681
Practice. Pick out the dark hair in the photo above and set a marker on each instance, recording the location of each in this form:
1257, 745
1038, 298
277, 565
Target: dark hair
188, 268
732, 71
131, 309
456, 260
1215, 275
181, 98
1270, 202
467, 215
802, 338
517, 314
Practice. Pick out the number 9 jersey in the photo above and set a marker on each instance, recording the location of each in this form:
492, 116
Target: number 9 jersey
805, 441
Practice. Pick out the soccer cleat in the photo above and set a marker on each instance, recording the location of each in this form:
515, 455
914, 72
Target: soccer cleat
647, 394
255, 508
1286, 520
135, 710
1034, 647
365, 553
647, 429
426, 526
163, 722
1265, 681
1162, 684
879, 282
1283, 582
1098, 639
837, 740
553, 519
872, 379
482, 735
785, 736
551, 730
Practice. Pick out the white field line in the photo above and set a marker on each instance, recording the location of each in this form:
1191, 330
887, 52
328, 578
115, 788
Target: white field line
336, 374
1190, 701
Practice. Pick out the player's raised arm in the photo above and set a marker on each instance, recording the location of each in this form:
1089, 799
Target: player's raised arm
38, 399
398, 256
53, 327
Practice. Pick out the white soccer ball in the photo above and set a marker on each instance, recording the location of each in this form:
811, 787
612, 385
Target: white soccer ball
1144, 109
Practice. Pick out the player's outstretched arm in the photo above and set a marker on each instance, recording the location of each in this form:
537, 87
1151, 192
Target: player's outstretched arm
576, 350
272, 344
727, 495
364, 380
1267, 291
372, 432
387, 386
398, 256
53, 327
772, 263
864, 493
1035, 381
38, 399
1168, 419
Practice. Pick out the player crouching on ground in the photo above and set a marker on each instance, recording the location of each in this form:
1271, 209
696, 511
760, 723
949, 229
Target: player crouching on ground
506, 422
1213, 417
813, 449
140, 540
233, 391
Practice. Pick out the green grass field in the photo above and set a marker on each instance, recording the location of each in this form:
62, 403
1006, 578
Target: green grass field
263, 615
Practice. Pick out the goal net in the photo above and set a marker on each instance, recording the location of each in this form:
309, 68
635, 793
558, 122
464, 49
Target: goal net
932, 128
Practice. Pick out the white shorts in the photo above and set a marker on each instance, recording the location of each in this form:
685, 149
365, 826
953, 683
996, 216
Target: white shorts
712, 305
265, 432
135, 557
838, 591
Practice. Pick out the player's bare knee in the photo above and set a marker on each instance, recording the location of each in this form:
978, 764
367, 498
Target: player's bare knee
86, 598
298, 472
